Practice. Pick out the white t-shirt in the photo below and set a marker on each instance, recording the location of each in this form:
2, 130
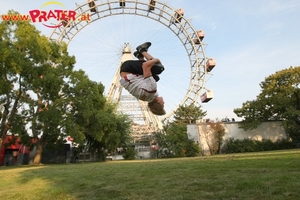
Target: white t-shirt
140, 87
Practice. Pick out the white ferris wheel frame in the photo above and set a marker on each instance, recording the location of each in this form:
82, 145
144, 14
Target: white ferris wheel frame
160, 12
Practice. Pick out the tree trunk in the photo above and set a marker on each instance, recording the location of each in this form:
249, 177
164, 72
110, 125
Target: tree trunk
1, 142
101, 154
38, 154
6, 119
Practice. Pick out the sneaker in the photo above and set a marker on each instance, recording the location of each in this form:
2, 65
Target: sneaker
137, 54
143, 47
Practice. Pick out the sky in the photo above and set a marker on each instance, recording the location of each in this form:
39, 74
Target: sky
249, 40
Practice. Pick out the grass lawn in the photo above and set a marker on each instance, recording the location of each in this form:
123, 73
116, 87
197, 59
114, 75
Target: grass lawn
266, 175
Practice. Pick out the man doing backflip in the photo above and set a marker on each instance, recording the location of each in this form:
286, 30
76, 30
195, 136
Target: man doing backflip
139, 78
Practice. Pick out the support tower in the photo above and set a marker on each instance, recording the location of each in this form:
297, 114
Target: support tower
144, 122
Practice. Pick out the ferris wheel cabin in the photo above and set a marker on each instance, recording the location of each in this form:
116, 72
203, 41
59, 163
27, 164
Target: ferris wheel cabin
200, 37
210, 64
152, 5
92, 5
122, 3
65, 23
178, 15
207, 96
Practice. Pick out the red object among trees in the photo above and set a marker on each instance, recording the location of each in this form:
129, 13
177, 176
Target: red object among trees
11, 149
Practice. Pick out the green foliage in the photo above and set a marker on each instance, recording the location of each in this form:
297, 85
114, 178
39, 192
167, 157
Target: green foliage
40, 91
192, 149
130, 153
174, 141
279, 100
188, 114
177, 137
28, 80
95, 118
247, 145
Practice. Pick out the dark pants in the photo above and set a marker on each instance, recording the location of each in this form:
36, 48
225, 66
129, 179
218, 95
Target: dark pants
135, 67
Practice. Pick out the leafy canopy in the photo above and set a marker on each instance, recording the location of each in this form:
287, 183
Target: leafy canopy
175, 138
279, 100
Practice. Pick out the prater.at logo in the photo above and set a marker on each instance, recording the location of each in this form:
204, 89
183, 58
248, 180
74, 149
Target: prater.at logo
62, 15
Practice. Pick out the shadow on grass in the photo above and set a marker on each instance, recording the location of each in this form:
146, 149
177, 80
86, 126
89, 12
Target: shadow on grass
70, 181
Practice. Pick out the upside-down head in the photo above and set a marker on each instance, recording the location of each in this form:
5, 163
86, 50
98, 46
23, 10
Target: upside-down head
157, 106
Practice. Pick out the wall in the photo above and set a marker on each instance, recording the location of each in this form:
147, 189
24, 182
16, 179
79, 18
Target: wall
268, 130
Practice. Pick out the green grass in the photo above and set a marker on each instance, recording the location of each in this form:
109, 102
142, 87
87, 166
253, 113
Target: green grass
267, 175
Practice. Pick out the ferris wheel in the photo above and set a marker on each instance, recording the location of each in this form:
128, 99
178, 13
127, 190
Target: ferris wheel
103, 27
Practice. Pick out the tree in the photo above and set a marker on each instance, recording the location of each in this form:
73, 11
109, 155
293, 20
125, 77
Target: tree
44, 109
188, 114
279, 100
94, 117
10, 91
213, 134
175, 138
25, 54
32, 72
41, 94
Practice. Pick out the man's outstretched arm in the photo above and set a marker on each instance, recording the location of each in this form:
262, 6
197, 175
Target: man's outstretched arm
147, 67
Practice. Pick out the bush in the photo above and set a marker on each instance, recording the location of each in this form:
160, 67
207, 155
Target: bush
247, 145
192, 149
129, 153
284, 144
